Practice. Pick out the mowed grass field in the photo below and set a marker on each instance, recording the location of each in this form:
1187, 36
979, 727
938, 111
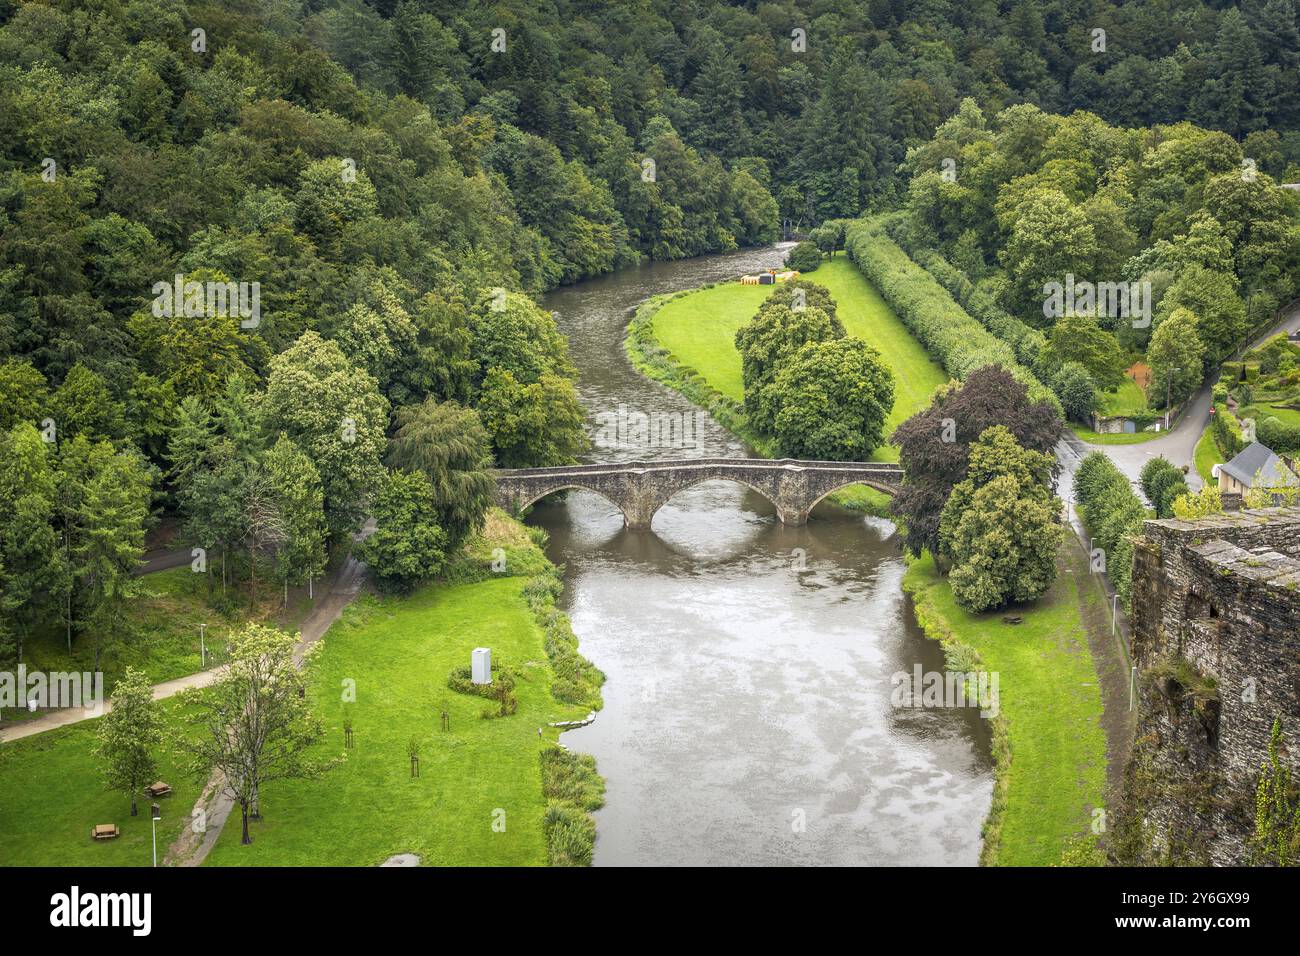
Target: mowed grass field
1050, 700
700, 329
399, 653
52, 793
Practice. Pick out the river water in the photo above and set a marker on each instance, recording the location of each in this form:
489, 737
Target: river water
748, 715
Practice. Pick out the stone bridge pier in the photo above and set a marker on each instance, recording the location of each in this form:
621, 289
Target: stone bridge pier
640, 489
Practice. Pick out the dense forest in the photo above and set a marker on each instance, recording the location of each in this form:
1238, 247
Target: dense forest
269, 267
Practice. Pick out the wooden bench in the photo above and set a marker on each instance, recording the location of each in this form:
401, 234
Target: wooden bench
158, 789
105, 831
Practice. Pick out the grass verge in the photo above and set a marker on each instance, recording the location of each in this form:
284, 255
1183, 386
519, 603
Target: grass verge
1048, 744
1206, 456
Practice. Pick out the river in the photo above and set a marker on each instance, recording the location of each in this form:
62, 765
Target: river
748, 716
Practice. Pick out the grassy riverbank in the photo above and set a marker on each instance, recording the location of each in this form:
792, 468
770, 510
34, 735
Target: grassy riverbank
399, 652
479, 798
698, 330
1048, 741
687, 342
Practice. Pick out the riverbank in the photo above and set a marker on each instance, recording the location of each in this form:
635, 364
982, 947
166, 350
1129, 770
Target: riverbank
1048, 742
482, 794
490, 790
1050, 748
686, 341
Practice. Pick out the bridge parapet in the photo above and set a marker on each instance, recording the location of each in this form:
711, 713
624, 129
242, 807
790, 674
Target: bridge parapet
641, 488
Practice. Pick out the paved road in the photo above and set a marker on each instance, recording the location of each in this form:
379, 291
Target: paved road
1178, 445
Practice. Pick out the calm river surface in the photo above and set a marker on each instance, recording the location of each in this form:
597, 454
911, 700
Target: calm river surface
747, 710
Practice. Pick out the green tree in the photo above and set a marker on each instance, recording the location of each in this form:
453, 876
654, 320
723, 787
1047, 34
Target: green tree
257, 724
1175, 356
82, 405
999, 527
102, 502
765, 343
934, 444
1074, 386
1050, 237
1078, 338
1211, 296
511, 333
333, 411
23, 393
832, 399
31, 561
129, 734
532, 425
448, 444
407, 546
300, 503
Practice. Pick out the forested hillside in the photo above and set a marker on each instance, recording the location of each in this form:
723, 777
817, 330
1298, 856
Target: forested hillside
269, 267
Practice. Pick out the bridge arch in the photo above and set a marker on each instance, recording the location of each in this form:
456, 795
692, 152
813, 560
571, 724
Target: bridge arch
532, 498
881, 486
677, 488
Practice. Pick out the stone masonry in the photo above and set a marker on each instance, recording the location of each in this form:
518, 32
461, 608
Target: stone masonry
1222, 594
641, 488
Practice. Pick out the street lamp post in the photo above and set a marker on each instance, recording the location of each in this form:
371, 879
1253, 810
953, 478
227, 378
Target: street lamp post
203, 648
156, 813
1169, 382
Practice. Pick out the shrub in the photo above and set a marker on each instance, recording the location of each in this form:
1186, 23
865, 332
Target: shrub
1227, 432
1278, 435
1205, 502
804, 257
572, 788
1162, 482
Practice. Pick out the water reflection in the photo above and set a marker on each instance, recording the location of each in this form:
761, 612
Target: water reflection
748, 716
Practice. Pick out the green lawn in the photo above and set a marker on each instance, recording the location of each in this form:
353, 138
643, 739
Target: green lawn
1128, 399
1113, 438
1050, 702
52, 794
700, 328
1207, 456
399, 652
1287, 416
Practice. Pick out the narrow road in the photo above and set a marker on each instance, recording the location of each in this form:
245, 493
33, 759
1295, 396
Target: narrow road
1178, 445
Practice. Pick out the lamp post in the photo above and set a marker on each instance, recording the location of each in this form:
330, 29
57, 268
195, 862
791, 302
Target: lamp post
203, 648
1169, 382
156, 812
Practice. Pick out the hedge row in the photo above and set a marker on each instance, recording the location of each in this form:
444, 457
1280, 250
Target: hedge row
955, 339
1227, 432
1162, 482
1025, 340
1113, 514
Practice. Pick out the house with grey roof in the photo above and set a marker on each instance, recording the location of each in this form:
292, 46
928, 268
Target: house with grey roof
1256, 466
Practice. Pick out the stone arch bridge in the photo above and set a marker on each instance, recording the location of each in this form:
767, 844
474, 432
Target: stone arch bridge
640, 488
